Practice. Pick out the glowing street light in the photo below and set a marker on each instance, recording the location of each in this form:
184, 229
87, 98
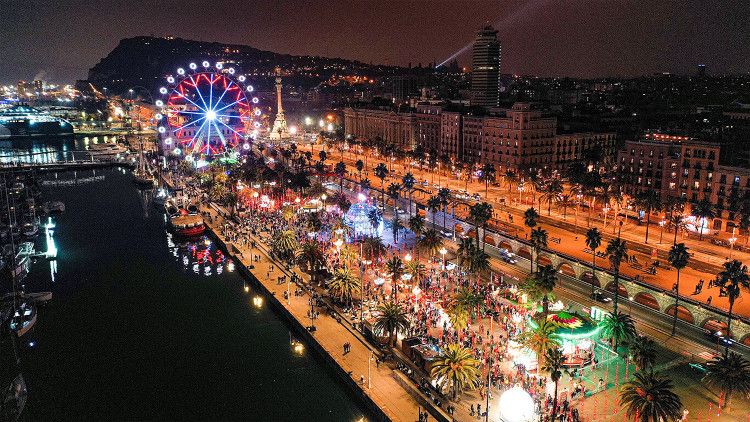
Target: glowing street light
661, 224
732, 240
443, 251
258, 302
338, 243
407, 257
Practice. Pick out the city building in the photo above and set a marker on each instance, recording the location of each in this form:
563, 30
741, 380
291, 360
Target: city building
522, 138
680, 166
485, 68
428, 126
399, 129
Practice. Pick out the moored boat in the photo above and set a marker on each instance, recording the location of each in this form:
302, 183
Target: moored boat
23, 319
187, 225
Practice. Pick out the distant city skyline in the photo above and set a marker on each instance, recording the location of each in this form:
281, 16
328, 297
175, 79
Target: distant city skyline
61, 40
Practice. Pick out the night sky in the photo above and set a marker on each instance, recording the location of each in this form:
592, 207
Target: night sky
61, 39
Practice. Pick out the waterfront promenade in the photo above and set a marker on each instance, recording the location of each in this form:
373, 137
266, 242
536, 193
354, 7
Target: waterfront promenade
384, 386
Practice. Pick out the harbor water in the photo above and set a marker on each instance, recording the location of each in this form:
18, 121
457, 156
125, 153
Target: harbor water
143, 326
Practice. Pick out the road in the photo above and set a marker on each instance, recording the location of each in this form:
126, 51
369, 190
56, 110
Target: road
690, 341
704, 265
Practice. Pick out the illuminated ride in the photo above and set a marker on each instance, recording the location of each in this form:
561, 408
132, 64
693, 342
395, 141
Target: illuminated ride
207, 111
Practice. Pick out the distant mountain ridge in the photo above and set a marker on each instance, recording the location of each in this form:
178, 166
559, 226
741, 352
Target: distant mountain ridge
144, 60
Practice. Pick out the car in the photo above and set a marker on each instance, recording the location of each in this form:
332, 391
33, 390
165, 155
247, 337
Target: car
476, 197
507, 256
425, 184
600, 297
400, 211
719, 338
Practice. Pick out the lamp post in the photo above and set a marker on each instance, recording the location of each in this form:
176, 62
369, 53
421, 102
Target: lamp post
443, 251
732, 240
606, 211
362, 269
369, 371
662, 223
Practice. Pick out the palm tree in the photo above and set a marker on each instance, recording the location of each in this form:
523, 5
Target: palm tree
359, 165
488, 176
396, 227
511, 178
381, 172
390, 319
344, 285
530, 218
703, 210
677, 221
731, 281
431, 241
552, 192
417, 270
730, 373
416, 225
648, 397
394, 192
433, 204
545, 279
408, 182
593, 241
373, 247
553, 365
538, 241
340, 171
617, 251
445, 195
285, 244
466, 299
458, 367
311, 257
642, 351
396, 268
649, 201
479, 215
477, 263
617, 327
466, 248
678, 257
540, 338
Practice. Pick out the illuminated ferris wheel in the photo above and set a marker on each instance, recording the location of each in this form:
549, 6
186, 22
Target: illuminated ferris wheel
206, 110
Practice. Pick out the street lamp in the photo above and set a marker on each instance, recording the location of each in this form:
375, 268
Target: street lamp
443, 251
606, 211
662, 223
362, 269
732, 240
407, 257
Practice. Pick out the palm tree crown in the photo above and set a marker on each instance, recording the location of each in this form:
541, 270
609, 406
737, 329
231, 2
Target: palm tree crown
730, 373
344, 285
390, 319
458, 367
648, 397
618, 327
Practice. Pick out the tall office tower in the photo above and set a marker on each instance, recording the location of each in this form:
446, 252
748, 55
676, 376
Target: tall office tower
485, 68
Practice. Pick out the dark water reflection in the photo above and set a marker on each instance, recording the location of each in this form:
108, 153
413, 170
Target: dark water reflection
145, 326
